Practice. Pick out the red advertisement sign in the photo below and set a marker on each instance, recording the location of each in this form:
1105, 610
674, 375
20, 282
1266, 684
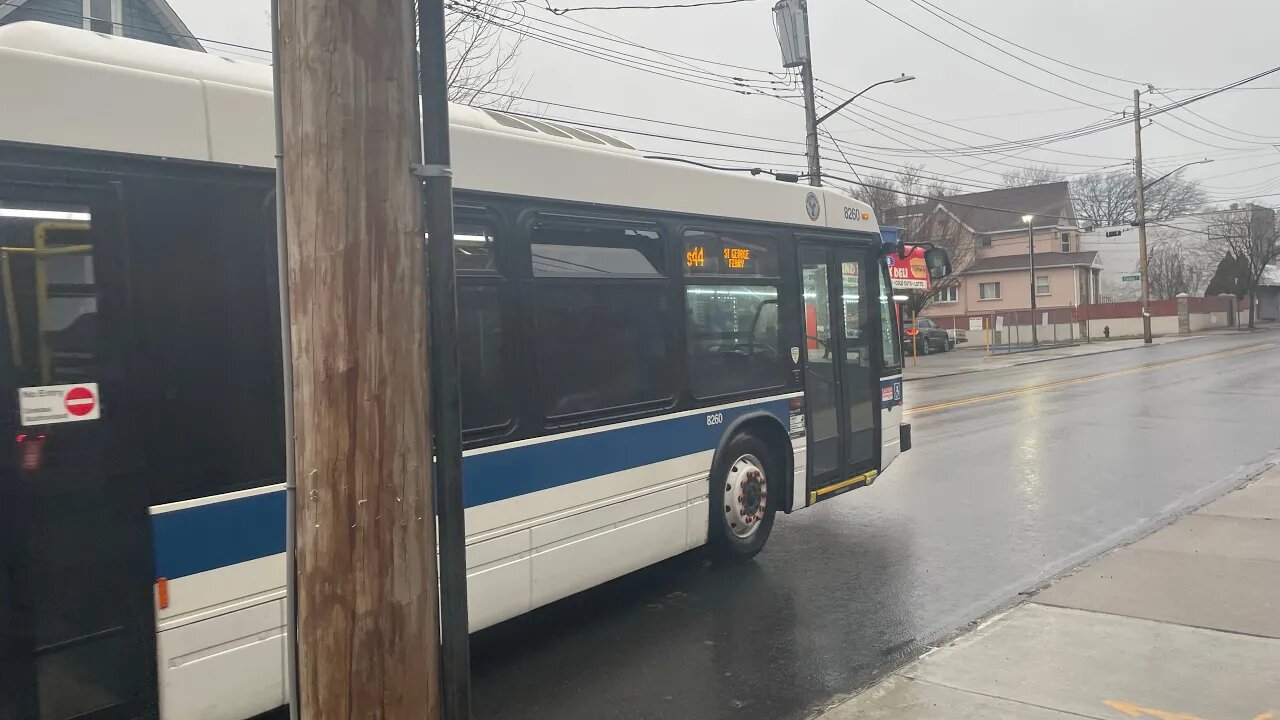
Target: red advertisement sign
910, 272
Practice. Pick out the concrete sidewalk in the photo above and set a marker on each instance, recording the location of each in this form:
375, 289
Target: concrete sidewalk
1181, 625
961, 362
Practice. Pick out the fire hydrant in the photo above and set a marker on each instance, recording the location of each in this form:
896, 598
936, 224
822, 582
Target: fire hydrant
1106, 331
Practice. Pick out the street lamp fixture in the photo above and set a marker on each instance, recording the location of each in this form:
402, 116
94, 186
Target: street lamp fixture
1171, 172
900, 79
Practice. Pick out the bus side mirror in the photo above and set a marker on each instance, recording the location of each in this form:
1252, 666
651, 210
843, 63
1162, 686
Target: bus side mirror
938, 262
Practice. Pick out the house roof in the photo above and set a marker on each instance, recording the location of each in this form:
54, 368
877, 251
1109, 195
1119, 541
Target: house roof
1049, 202
1088, 258
164, 14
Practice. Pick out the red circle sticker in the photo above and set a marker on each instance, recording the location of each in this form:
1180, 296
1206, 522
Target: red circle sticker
79, 401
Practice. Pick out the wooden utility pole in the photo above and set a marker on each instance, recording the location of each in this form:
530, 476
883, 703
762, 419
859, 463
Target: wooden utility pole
1141, 212
367, 631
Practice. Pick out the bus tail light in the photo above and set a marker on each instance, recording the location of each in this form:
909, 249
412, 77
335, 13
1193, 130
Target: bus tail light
31, 451
162, 592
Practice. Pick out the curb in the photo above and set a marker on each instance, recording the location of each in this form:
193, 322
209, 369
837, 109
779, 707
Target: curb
1034, 361
1087, 557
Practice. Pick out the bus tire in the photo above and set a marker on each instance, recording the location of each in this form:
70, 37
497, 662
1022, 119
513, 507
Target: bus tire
743, 498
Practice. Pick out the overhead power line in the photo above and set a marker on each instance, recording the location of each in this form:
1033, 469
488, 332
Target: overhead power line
50, 12
603, 34
674, 6
1031, 50
984, 63
1268, 139
704, 79
938, 13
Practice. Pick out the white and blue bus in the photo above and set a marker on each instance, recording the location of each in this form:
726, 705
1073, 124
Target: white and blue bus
655, 357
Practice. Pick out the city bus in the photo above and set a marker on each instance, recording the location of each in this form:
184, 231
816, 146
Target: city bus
655, 357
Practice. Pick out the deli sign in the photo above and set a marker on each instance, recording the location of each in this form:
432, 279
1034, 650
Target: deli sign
910, 272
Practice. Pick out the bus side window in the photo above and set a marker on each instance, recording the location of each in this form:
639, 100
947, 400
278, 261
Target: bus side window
600, 313
207, 379
486, 403
733, 336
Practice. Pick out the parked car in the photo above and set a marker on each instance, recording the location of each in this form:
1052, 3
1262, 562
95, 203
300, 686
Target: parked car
930, 339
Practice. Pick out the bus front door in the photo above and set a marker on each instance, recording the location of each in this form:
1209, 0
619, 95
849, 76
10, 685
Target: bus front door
74, 597
840, 374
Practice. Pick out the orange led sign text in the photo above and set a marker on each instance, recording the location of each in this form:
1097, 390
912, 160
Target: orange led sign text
736, 258
695, 257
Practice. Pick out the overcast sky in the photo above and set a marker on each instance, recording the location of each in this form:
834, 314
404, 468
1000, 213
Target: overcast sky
1179, 46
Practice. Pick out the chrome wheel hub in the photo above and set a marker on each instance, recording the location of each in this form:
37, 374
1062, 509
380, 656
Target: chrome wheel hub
746, 495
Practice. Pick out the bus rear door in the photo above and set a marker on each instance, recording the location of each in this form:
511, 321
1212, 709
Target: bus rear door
75, 611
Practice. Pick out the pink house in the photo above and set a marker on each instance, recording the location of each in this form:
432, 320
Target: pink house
987, 237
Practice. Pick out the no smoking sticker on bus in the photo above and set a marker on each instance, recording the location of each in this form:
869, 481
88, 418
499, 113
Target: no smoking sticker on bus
48, 404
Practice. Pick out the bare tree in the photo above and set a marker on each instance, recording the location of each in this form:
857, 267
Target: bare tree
1172, 271
481, 55
1180, 259
910, 186
880, 193
1250, 235
1031, 175
1110, 198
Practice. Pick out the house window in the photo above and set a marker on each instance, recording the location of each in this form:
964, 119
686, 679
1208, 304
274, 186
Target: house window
984, 241
948, 294
1042, 284
1066, 242
104, 16
989, 291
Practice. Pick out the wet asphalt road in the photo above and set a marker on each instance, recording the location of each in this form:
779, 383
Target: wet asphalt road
997, 496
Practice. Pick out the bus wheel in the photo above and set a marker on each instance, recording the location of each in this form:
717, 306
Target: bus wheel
741, 499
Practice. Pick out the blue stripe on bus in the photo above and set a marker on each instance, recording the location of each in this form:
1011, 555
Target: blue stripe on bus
205, 537
196, 539
503, 474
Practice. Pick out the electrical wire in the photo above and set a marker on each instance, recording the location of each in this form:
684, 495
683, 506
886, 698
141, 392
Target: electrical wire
611, 56
513, 23
50, 12
1030, 50
979, 61
930, 8
601, 33
705, 3
1271, 138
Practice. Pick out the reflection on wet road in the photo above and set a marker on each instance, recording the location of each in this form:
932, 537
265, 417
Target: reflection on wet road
997, 496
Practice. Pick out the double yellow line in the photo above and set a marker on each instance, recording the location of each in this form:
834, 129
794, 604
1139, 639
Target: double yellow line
1083, 379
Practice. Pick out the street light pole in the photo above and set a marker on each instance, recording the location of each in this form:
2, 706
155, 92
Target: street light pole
791, 21
811, 147
1031, 254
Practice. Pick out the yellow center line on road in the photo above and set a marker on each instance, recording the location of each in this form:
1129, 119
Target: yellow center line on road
1083, 379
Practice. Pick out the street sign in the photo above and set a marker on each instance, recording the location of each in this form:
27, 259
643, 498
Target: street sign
1130, 278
